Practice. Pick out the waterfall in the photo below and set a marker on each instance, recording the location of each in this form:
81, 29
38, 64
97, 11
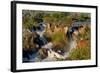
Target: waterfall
51, 54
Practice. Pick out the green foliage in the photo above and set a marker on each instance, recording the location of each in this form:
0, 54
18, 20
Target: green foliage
27, 22
54, 18
31, 18
57, 37
80, 54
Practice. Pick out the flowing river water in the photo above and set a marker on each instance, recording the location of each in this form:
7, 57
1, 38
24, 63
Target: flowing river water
52, 55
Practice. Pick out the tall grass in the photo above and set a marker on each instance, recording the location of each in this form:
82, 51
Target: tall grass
58, 36
80, 54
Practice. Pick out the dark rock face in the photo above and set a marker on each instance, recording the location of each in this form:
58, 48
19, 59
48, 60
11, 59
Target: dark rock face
32, 43
28, 40
29, 46
28, 54
40, 41
43, 53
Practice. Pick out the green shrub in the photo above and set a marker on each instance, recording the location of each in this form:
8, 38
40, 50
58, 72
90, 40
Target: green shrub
57, 37
80, 54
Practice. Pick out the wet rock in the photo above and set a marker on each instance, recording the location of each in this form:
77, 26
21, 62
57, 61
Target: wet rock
43, 53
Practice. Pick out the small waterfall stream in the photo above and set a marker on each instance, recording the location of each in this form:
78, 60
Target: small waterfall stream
52, 55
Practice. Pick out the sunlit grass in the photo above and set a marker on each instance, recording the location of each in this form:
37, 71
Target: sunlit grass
80, 54
58, 36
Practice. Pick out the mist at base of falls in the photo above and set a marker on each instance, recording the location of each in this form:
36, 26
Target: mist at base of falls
52, 55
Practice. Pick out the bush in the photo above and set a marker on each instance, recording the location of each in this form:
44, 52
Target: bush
80, 54
58, 36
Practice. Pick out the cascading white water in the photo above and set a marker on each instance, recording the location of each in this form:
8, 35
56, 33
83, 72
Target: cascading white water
52, 55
